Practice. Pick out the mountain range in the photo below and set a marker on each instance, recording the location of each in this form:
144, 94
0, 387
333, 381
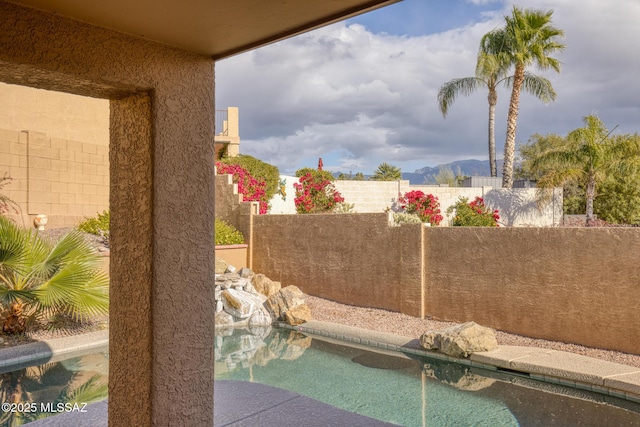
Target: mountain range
471, 167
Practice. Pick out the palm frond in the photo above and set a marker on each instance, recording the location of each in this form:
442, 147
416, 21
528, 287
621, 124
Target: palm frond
449, 91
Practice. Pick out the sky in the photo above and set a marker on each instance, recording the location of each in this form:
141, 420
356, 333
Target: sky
364, 91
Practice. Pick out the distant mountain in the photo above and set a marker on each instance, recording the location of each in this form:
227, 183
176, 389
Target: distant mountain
471, 167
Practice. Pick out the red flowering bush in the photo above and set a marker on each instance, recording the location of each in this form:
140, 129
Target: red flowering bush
315, 193
252, 189
426, 206
473, 214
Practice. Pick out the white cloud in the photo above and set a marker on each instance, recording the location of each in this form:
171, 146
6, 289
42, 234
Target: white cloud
372, 97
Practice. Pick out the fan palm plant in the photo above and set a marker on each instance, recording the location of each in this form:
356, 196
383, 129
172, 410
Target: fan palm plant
38, 277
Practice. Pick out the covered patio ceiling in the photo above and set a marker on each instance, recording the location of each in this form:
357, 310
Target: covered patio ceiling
218, 28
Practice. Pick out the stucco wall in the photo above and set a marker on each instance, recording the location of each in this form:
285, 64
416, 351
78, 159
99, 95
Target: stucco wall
568, 284
354, 259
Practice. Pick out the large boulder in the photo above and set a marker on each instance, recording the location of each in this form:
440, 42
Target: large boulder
264, 285
460, 340
239, 304
289, 299
298, 315
221, 266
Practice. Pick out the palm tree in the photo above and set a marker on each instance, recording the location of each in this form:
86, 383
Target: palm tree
491, 70
386, 172
589, 157
529, 40
38, 277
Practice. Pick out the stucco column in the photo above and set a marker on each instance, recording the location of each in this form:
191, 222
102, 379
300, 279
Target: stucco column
161, 323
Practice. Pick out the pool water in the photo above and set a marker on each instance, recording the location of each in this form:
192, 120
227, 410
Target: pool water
406, 389
36, 391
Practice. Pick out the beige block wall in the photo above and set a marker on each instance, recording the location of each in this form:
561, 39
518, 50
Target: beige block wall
67, 116
567, 284
352, 259
66, 180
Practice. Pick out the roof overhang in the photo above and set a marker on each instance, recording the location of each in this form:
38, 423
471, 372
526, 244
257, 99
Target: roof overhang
218, 28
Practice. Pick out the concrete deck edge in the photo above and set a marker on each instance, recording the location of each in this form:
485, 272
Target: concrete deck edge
550, 366
51, 350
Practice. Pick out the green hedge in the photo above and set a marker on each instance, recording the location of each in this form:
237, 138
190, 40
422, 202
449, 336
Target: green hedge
227, 234
258, 169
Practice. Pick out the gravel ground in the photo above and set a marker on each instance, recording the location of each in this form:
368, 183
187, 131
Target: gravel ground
401, 324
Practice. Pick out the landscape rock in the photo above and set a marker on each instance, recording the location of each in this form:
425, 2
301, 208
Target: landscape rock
221, 266
240, 304
298, 315
231, 269
264, 285
288, 305
460, 340
284, 300
246, 272
223, 319
260, 317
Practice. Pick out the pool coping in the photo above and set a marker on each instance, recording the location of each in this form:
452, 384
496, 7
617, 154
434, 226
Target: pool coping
51, 350
549, 366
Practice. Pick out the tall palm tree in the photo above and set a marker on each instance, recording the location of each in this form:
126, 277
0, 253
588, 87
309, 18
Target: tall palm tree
386, 172
529, 40
491, 70
588, 157
38, 277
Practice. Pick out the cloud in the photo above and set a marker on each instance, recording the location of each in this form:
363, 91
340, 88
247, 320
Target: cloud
368, 98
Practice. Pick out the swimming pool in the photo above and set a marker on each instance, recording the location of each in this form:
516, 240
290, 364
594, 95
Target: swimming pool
406, 389
33, 392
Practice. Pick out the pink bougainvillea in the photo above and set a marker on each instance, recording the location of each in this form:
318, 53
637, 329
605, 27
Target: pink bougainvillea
252, 189
315, 194
426, 206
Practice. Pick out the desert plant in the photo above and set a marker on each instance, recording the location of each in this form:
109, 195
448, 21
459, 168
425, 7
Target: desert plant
426, 206
473, 214
227, 234
6, 204
41, 278
98, 225
315, 193
344, 208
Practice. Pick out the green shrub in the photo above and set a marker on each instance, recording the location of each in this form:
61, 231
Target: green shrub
259, 170
406, 218
227, 234
98, 225
473, 214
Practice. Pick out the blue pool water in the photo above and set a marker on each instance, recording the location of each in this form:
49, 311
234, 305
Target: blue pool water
408, 390
34, 392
